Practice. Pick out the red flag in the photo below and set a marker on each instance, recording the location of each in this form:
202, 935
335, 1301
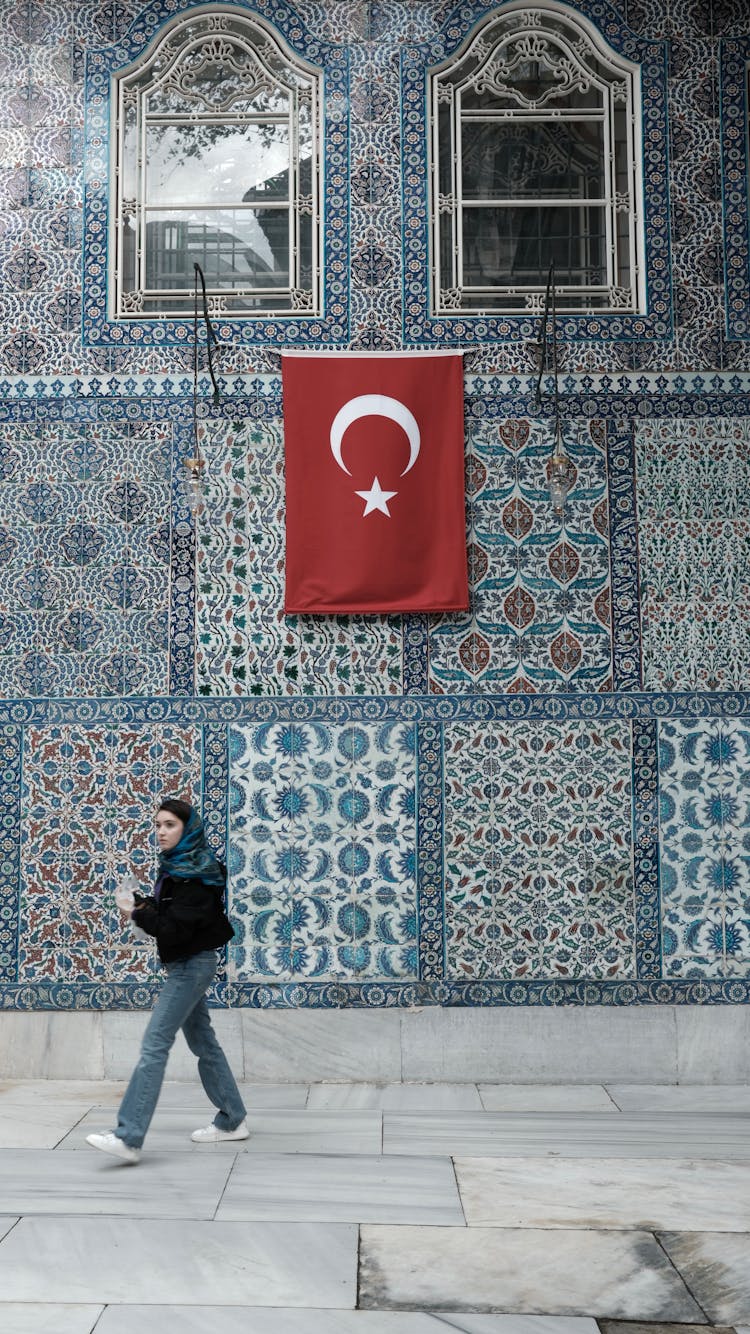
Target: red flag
375, 518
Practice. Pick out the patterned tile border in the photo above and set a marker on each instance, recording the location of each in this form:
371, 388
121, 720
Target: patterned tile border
377, 708
182, 575
627, 649
11, 743
430, 787
734, 57
646, 849
632, 393
377, 995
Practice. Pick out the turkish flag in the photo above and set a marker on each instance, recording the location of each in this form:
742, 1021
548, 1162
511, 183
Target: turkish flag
375, 518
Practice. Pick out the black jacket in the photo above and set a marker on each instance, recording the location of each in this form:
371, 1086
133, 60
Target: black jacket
188, 917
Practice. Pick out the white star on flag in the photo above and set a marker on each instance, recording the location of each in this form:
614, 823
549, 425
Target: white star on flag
376, 499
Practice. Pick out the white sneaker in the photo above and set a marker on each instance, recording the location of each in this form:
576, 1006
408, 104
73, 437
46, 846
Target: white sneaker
211, 1134
110, 1143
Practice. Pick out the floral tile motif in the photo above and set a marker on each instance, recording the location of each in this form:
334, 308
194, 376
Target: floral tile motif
540, 616
693, 491
323, 850
84, 560
538, 856
89, 795
704, 786
245, 643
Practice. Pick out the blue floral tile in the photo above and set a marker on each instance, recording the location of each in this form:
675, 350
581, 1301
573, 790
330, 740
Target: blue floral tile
694, 540
323, 850
705, 847
90, 561
540, 589
539, 878
245, 644
89, 795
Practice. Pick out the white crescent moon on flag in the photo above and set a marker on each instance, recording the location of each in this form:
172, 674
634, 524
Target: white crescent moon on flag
375, 405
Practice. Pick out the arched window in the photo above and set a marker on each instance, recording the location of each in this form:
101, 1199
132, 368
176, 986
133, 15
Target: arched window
534, 132
216, 134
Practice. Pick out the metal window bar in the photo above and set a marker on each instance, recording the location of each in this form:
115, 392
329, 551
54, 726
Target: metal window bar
610, 260
164, 286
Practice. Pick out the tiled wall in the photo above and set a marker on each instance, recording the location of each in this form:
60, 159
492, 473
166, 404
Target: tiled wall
543, 800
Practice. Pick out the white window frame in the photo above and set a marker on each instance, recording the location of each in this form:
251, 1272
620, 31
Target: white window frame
480, 60
217, 28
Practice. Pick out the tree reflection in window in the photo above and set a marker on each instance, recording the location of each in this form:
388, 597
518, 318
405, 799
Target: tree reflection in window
533, 162
217, 133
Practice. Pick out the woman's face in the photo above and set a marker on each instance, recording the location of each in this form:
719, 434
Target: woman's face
169, 830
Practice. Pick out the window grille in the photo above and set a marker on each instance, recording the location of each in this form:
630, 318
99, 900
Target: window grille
217, 162
533, 161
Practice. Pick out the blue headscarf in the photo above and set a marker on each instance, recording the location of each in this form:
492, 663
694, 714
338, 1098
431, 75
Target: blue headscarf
191, 858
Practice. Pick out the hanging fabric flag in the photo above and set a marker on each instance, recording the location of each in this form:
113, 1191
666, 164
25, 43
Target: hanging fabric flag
375, 518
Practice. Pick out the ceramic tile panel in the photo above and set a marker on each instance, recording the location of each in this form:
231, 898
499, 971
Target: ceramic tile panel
245, 643
538, 858
631, 617
540, 587
89, 795
693, 484
705, 847
323, 850
85, 579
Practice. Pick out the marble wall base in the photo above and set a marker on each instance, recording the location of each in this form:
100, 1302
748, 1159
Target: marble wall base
637, 1045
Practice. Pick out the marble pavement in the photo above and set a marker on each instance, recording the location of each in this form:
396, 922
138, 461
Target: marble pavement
380, 1209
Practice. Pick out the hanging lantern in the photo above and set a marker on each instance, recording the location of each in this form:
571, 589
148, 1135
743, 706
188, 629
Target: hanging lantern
561, 472
191, 483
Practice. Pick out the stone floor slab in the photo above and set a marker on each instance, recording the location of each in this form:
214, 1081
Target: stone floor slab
610, 1274
396, 1097
93, 1183
571, 1135
716, 1267
87, 1091
545, 1098
605, 1193
37, 1125
246, 1320
186, 1096
282, 1130
691, 1098
137, 1261
343, 1189
35, 1318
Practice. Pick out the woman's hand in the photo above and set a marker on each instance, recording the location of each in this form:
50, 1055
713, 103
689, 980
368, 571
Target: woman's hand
125, 895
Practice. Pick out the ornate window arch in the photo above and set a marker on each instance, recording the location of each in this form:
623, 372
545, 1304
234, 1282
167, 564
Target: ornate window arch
535, 157
216, 140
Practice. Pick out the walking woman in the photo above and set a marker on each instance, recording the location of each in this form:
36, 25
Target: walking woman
186, 915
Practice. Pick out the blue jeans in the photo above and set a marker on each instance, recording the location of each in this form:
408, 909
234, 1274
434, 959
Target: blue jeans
180, 1004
